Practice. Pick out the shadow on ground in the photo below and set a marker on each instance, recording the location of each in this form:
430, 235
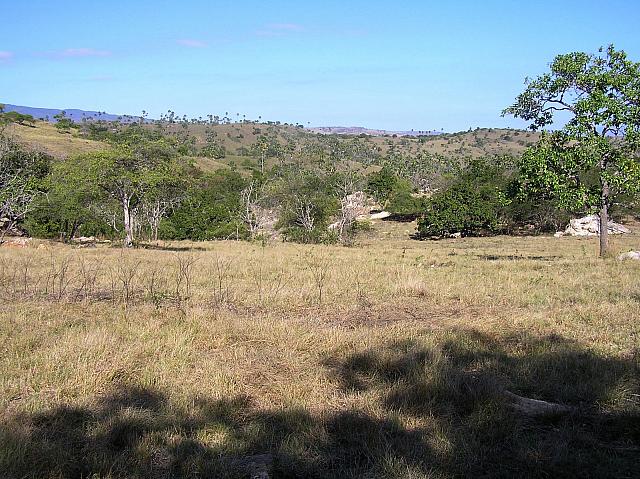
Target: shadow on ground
169, 247
516, 257
435, 409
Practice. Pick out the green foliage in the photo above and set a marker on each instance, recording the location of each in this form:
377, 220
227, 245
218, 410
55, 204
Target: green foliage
213, 147
381, 185
123, 179
18, 118
266, 146
474, 205
210, 210
600, 141
306, 202
402, 202
22, 180
317, 235
593, 158
463, 209
63, 123
72, 206
394, 193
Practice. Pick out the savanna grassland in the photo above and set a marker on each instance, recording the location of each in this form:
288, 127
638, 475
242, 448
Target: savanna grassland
390, 358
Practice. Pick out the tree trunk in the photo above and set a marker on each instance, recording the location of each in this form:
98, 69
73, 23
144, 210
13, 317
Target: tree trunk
74, 228
604, 231
128, 227
604, 213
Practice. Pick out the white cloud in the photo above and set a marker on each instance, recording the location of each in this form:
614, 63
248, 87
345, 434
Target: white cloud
190, 43
5, 56
83, 52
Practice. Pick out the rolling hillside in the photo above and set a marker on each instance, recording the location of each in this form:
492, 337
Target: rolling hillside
287, 143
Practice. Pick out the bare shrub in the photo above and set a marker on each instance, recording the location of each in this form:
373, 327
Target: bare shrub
125, 275
157, 286
25, 264
318, 266
220, 271
257, 269
184, 275
88, 274
57, 276
361, 286
7, 277
268, 283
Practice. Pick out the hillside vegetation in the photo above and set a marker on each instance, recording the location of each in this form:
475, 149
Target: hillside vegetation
237, 140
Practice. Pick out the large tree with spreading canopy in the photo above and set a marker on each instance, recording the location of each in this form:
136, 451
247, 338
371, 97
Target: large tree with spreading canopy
594, 157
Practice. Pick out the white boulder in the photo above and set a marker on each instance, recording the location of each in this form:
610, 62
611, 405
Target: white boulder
635, 255
380, 215
590, 226
84, 239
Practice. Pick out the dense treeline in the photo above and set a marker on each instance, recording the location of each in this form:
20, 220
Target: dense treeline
147, 186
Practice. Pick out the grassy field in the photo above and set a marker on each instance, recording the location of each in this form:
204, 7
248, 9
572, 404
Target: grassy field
387, 359
46, 138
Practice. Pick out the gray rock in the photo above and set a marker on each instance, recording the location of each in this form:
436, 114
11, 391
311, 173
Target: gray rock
635, 255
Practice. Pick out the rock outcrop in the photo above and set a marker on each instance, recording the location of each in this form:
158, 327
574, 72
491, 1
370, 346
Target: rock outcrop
590, 226
358, 204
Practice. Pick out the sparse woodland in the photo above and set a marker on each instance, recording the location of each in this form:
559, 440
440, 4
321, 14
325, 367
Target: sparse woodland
201, 298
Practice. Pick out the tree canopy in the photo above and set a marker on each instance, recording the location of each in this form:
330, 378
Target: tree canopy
593, 158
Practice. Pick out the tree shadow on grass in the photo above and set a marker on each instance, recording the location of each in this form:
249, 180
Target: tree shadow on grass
459, 384
139, 432
436, 411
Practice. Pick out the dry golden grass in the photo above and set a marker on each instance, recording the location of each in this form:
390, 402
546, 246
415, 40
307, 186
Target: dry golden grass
380, 360
46, 138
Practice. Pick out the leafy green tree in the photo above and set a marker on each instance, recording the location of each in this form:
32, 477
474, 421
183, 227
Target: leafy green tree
126, 177
211, 209
475, 204
63, 123
22, 180
599, 93
394, 193
213, 147
402, 201
18, 118
69, 206
462, 209
307, 201
266, 146
381, 185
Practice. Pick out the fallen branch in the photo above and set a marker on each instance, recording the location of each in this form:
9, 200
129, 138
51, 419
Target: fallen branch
536, 407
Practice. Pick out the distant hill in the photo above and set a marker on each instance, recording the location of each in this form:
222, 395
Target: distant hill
358, 130
73, 113
77, 115
361, 147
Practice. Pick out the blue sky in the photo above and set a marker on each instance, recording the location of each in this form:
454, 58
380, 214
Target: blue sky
394, 65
